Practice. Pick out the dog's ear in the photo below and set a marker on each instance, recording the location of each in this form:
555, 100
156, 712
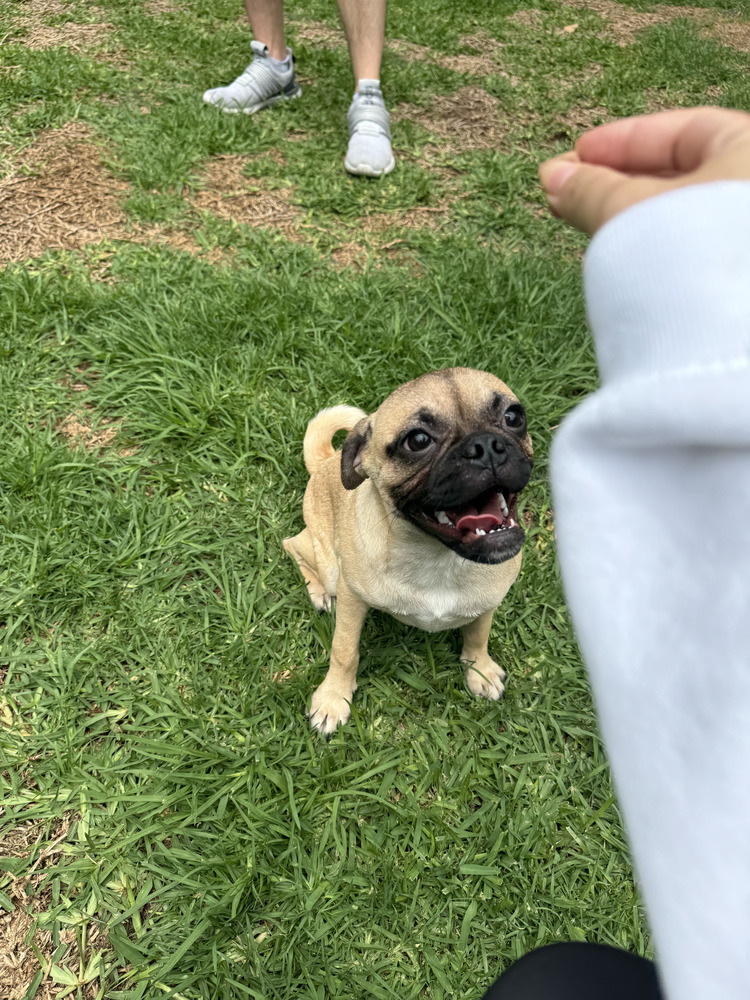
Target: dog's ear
351, 454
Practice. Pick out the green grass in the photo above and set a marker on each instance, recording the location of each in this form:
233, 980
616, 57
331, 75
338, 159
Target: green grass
218, 847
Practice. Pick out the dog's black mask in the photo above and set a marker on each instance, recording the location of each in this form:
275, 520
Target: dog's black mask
468, 500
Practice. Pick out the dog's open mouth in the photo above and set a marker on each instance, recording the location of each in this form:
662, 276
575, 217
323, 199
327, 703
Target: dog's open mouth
484, 519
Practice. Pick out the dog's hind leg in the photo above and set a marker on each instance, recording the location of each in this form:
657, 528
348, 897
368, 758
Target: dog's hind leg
302, 549
484, 677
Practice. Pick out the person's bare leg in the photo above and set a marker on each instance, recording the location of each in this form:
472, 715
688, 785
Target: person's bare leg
364, 25
267, 21
270, 76
369, 153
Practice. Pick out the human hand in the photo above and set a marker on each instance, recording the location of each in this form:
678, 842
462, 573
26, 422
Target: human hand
616, 165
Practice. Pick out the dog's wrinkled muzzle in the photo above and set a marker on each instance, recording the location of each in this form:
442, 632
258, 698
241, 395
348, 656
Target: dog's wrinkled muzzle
470, 502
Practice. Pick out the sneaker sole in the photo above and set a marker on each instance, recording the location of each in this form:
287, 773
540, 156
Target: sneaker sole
276, 99
365, 170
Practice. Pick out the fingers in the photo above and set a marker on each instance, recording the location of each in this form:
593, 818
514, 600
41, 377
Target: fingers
670, 142
587, 196
616, 165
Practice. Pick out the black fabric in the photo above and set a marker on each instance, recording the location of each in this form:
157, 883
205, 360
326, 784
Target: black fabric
578, 971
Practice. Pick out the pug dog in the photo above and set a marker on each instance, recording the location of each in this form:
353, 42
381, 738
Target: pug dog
416, 516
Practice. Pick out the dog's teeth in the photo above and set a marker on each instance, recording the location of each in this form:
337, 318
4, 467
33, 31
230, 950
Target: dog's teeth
512, 524
480, 532
503, 504
442, 517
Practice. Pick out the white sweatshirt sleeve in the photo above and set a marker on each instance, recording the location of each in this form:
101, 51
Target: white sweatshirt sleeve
651, 484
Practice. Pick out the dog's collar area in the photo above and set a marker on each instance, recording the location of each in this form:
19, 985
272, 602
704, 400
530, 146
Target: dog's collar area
491, 513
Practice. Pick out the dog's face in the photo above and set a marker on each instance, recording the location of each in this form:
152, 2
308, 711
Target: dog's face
449, 452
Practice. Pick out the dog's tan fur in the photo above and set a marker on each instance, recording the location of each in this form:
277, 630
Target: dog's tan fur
357, 548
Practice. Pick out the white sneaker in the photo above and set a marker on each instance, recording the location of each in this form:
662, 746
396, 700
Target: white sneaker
369, 153
261, 85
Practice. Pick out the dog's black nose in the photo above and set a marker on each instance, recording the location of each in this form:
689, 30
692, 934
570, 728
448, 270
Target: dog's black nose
486, 449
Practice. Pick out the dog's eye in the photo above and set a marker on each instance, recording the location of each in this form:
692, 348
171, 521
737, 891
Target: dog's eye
514, 417
417, 441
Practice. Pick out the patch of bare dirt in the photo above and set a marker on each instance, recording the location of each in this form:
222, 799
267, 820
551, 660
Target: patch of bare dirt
420, 217
273, 154
350, 254
178, 239
480, 40
18, 963
319, 33
730, 32
662, 100
624, 23
424, 217
79, 37
59, 197
229, 194
80, 428
484, 64
479, 65
578, 120
365, 246
470, 118
155, 7
528, 18
398, 252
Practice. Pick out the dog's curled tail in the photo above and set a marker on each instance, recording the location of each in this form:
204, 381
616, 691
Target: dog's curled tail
317, 447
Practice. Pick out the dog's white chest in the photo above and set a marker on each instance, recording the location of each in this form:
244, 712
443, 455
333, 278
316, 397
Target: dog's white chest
437, 589
438, 611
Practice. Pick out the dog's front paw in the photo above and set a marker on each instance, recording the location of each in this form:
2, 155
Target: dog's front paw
330, 708
485, 678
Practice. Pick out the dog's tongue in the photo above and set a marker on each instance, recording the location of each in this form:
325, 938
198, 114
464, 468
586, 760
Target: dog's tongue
468, 518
